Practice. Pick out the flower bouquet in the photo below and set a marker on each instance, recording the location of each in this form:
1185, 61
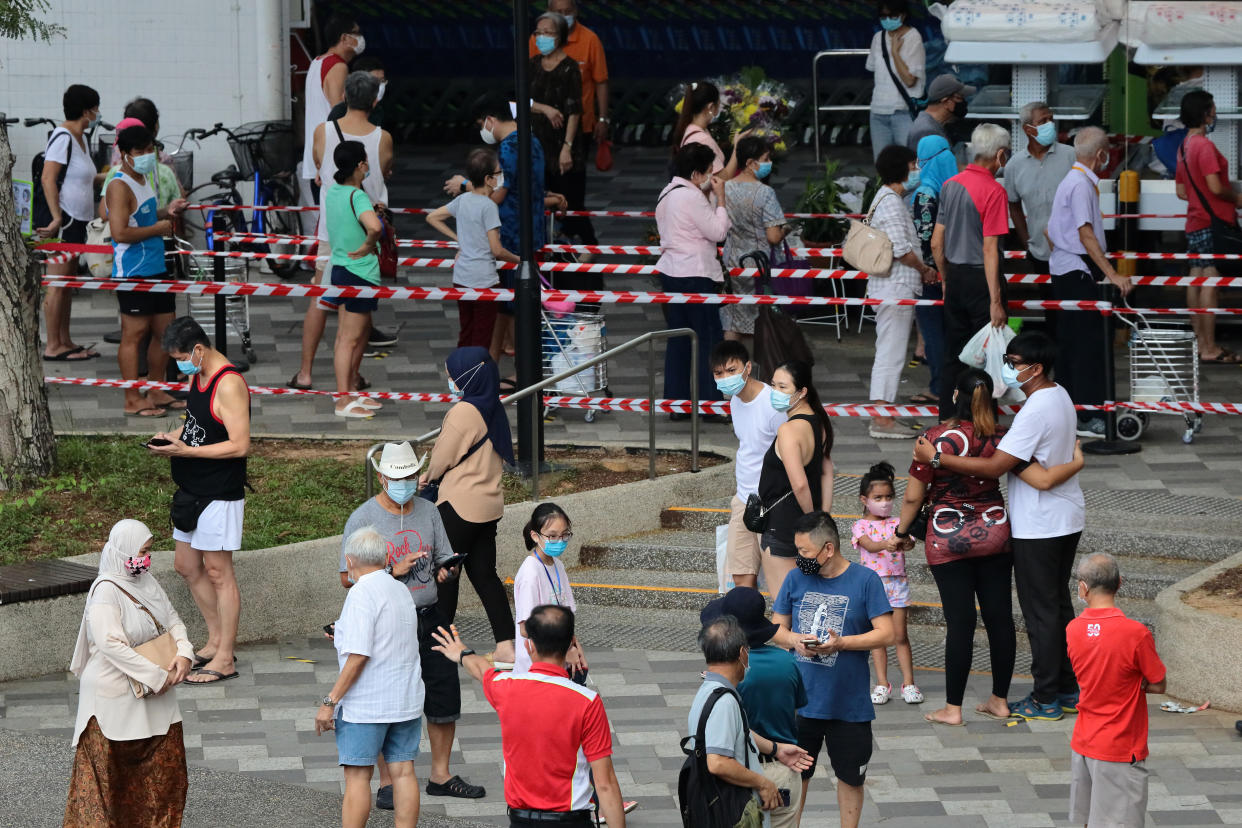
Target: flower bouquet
750, 101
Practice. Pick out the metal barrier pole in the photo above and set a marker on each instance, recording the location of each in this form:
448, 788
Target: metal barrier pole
694, 401
217, 266
536, 460
651, 412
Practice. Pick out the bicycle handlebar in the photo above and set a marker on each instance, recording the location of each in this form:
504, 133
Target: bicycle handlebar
32, 122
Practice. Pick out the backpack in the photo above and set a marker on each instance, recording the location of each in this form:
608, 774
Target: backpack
708, 802
40, 212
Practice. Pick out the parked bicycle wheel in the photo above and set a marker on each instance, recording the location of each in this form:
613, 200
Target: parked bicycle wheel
282, 223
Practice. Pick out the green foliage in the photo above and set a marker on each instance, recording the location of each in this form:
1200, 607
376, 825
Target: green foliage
19, 20
823, 195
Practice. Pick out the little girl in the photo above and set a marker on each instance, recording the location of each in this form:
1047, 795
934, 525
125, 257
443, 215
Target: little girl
874, 538
542, 580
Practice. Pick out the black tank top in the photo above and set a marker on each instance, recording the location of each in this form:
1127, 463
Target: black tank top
208, 478
774, 483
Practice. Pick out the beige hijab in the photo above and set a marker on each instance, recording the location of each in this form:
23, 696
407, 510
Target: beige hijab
124, 541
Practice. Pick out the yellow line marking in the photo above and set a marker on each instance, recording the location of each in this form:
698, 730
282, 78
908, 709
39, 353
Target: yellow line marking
688, 590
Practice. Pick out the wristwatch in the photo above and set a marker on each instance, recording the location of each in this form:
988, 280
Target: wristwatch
328, 701
463, 656
603, 120
771, 756
935, 463
901, 534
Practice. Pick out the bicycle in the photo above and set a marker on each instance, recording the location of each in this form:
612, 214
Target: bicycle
266, 155
95, 146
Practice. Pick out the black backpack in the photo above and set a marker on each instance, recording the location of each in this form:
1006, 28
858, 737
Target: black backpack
41, 213
705, 801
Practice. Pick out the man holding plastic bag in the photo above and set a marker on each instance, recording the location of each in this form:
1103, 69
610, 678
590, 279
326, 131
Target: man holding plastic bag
1079, 269
973, 217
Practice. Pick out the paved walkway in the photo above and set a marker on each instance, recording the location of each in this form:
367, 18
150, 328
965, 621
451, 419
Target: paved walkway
252, 745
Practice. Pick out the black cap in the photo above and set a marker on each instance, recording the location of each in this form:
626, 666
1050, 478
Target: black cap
746, 604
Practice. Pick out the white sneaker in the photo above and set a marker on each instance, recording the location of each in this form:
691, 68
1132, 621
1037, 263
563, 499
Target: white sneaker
911, 694
881, 693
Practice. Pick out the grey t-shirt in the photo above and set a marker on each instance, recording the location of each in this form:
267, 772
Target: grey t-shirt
1034, 182
923, 126
419, 530
476, 214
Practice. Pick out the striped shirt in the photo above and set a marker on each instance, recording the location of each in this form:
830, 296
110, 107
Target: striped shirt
893, 219
551, 729
380, 622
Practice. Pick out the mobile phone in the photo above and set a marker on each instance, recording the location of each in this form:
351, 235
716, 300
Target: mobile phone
784, 794
811, 642
449, 563
157, 441
330, 629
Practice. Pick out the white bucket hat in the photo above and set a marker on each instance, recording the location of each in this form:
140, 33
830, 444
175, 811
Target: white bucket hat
398, 461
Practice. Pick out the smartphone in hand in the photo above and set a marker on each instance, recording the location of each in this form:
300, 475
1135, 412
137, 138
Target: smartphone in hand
157, 441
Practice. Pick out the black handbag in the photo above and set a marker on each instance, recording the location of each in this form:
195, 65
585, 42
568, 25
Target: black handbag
1226, 237
186, 510
432, 490
918, 526
911, 104
755, 515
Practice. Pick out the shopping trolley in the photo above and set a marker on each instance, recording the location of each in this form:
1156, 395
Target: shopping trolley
569, 339
1164, 367
202, 307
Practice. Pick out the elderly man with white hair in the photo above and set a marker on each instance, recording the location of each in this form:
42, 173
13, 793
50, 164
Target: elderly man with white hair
966, 243
376, 705
1079, 268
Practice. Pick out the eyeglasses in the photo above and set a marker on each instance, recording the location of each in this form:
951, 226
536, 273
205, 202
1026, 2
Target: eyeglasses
568, 536
1015, 361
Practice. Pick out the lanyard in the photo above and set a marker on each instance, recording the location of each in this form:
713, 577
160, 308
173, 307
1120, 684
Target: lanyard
1083, 170
556, 587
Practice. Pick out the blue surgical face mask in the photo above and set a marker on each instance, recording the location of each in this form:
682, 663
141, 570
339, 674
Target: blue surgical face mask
731, 385
1046, 134
554, 548
569, 20
143, 164
546, 44
187, 366
1208, 129
912, 182
890, 24
765, 169
93, 123
1009, 375
402, 491
453, 387
781, 401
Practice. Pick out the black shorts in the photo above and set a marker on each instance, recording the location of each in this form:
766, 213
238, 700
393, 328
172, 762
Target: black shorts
143, 303
848, 744
344, 277
442, 702
73, 231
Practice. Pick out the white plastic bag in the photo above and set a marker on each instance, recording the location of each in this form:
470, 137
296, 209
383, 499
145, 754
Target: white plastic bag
986, 351
723, 582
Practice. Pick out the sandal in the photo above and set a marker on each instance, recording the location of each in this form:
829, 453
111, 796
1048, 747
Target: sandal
881, 693
355, 411
1032, 710
1225, 357
923, 398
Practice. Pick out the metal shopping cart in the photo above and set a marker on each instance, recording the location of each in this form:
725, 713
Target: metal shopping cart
570, 339
1164, 367
202, 307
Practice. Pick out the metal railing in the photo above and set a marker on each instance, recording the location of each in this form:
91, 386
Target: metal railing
816, 107
649, 339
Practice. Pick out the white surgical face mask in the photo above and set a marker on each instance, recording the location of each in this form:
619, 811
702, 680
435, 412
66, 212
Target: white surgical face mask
361, 44
379, 96
486, 134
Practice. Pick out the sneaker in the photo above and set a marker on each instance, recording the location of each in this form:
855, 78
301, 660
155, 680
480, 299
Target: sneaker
896, 431
881, 693
1095, 427
1032, 710
1068, 702
456, 786
380, 339
383, 798
911, 694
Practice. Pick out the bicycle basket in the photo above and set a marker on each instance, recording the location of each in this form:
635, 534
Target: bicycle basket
183, 166
267, 146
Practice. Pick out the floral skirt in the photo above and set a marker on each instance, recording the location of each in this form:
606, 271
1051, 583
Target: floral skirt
118, 784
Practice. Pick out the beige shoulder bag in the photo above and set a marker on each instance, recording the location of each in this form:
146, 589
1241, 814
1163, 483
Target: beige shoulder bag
160, 650
866, 248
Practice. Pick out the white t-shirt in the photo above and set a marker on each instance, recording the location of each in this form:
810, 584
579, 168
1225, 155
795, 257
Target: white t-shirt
755, 424
77, 196
379, 621
533, 585
885, 98
1044, 432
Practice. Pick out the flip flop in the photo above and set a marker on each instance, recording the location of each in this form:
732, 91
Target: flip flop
203, 671
930, 717
67, 356
152, 411
1225, 357
293, 383
924, 398
175, 405
988, 714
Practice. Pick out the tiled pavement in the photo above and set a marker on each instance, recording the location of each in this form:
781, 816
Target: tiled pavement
428, 330
985, 774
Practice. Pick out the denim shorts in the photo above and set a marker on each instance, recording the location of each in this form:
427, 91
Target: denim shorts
359, 744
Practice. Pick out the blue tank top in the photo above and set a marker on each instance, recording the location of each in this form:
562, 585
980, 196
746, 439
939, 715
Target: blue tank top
144, 258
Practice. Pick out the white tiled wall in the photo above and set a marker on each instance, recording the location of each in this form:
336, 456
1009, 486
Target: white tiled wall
194, 58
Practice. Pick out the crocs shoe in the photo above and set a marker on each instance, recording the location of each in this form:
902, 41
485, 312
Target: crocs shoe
881, 693
1032, 710
1068, 702
911, 694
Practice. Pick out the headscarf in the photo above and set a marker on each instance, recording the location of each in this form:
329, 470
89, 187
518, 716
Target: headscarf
124, 541
478, 381
937, 164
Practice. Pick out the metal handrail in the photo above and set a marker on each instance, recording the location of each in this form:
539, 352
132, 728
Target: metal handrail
816, 108
649, 339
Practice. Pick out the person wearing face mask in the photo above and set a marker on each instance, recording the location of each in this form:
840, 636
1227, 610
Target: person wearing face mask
129, 767
418, 546
325, 84
542, 579
898, 61
373, 66
756, 222
755, 424
832, 613
68, 183
1211, 215
1031, 179
690, 228
699, 108
208, 464
1045, 525
946, 103
138, 226
899, 176
936, 166
556, 100
1079, 268
966, 244
796, 473
967, 543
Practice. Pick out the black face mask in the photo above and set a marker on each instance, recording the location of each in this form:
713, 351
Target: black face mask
808, 566
959, 109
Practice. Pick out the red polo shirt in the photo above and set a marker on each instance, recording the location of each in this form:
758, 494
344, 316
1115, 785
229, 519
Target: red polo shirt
1111, 655
973, 204
551, 729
